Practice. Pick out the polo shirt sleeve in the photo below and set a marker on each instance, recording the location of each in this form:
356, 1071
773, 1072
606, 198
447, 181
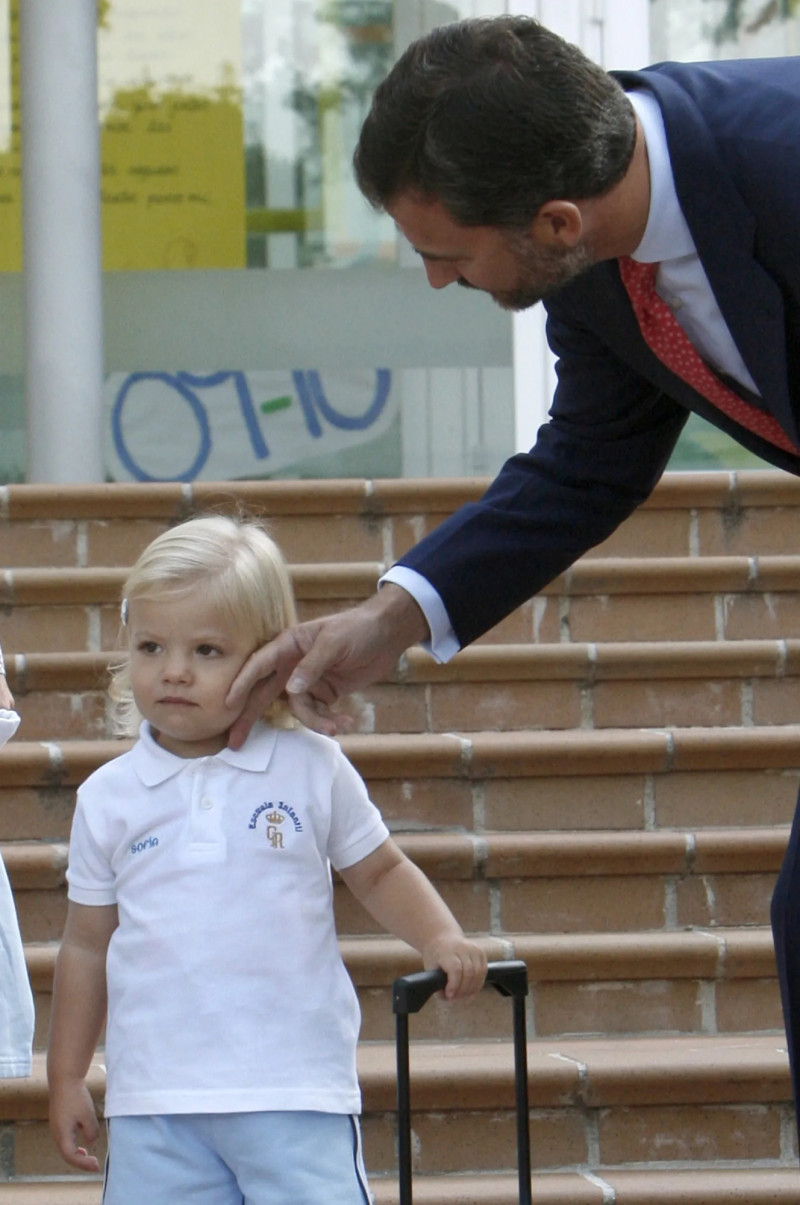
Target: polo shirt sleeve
90, 877
357, 827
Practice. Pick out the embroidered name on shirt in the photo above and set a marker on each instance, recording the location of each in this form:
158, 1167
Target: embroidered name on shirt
280, 807
139, 847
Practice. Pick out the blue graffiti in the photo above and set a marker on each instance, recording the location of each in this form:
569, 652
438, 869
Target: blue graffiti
310, 394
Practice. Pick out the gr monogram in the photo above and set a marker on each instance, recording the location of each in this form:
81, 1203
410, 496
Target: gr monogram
274, 834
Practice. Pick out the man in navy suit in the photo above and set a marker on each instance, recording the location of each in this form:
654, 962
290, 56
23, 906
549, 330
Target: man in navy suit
516, 166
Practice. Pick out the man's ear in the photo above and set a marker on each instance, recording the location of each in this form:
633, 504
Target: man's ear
557, 224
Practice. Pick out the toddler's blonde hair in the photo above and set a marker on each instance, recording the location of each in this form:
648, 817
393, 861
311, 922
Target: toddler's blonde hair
236, 567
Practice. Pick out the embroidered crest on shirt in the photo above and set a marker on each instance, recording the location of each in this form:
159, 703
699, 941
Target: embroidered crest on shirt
275, 815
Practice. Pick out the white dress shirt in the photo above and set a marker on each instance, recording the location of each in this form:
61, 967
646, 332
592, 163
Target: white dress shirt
681, 279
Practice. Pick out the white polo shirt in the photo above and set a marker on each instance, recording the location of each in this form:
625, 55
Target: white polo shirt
227, 992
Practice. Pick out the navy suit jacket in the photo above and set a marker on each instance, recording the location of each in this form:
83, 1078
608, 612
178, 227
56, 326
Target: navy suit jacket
733, 130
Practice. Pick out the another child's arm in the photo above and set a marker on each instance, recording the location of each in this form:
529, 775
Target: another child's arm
79, 1010
400, 897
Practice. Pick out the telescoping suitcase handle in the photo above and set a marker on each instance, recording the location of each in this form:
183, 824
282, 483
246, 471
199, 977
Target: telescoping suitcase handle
409, 994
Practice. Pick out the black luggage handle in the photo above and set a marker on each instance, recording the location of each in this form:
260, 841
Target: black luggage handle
409, 994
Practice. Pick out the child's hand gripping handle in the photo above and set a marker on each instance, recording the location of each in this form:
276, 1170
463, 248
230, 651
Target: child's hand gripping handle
409, 994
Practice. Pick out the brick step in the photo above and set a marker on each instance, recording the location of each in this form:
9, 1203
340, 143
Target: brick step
607, 1102
491, 687
61, 695
624, 684
687, 514
650, 1102
519, 781
581, 780
601, 599
683, 981
609, 882
739, 1186
52, 1190
74, 610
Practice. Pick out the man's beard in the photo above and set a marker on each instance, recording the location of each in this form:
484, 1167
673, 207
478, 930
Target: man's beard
541, 272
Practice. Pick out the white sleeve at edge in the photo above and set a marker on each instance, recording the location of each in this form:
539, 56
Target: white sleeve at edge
443, 643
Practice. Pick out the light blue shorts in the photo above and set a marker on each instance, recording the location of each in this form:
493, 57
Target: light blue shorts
236, 1159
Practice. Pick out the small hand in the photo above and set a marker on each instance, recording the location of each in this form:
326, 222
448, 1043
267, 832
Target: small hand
73, 1122
462, 960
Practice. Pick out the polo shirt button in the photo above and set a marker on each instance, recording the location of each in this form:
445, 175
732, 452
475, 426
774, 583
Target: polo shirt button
206, 803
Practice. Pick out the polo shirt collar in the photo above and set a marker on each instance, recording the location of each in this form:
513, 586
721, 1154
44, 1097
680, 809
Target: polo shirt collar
667, 235
154, 764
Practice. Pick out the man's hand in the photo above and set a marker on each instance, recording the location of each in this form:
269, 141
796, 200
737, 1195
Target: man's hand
319, 661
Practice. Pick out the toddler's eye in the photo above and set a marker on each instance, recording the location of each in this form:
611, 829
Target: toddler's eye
207, 650
147, 646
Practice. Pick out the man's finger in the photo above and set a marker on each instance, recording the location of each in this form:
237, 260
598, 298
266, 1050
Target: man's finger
259, 699
309, 674
258, 668
320, 691
318, 715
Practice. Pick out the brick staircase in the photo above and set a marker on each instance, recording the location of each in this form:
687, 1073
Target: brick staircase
601, 786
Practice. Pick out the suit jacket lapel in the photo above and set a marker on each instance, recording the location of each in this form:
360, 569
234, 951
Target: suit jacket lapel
723, 229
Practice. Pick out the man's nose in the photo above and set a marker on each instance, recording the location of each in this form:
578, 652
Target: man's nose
440, 273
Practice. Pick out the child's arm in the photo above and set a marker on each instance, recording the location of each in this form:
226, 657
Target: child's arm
79, 1009
400, 897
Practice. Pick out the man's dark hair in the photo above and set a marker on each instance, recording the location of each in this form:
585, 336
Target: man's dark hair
493, 117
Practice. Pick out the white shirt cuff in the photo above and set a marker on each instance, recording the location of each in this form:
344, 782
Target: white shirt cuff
9, 723
443, 643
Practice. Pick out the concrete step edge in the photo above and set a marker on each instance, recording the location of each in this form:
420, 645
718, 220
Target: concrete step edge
562, 1073
606, 576
719, 954
96, 586
587, 663
701, 1186
691, 1186
173, 502
585, 1072
705, 490
477, 755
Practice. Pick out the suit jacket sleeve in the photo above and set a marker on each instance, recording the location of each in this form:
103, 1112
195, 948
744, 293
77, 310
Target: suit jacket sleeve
608, 441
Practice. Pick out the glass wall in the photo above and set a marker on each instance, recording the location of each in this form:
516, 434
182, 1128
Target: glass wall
259, 319
697, 30
324, 357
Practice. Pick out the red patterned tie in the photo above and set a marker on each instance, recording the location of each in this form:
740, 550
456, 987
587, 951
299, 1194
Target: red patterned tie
665, 336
